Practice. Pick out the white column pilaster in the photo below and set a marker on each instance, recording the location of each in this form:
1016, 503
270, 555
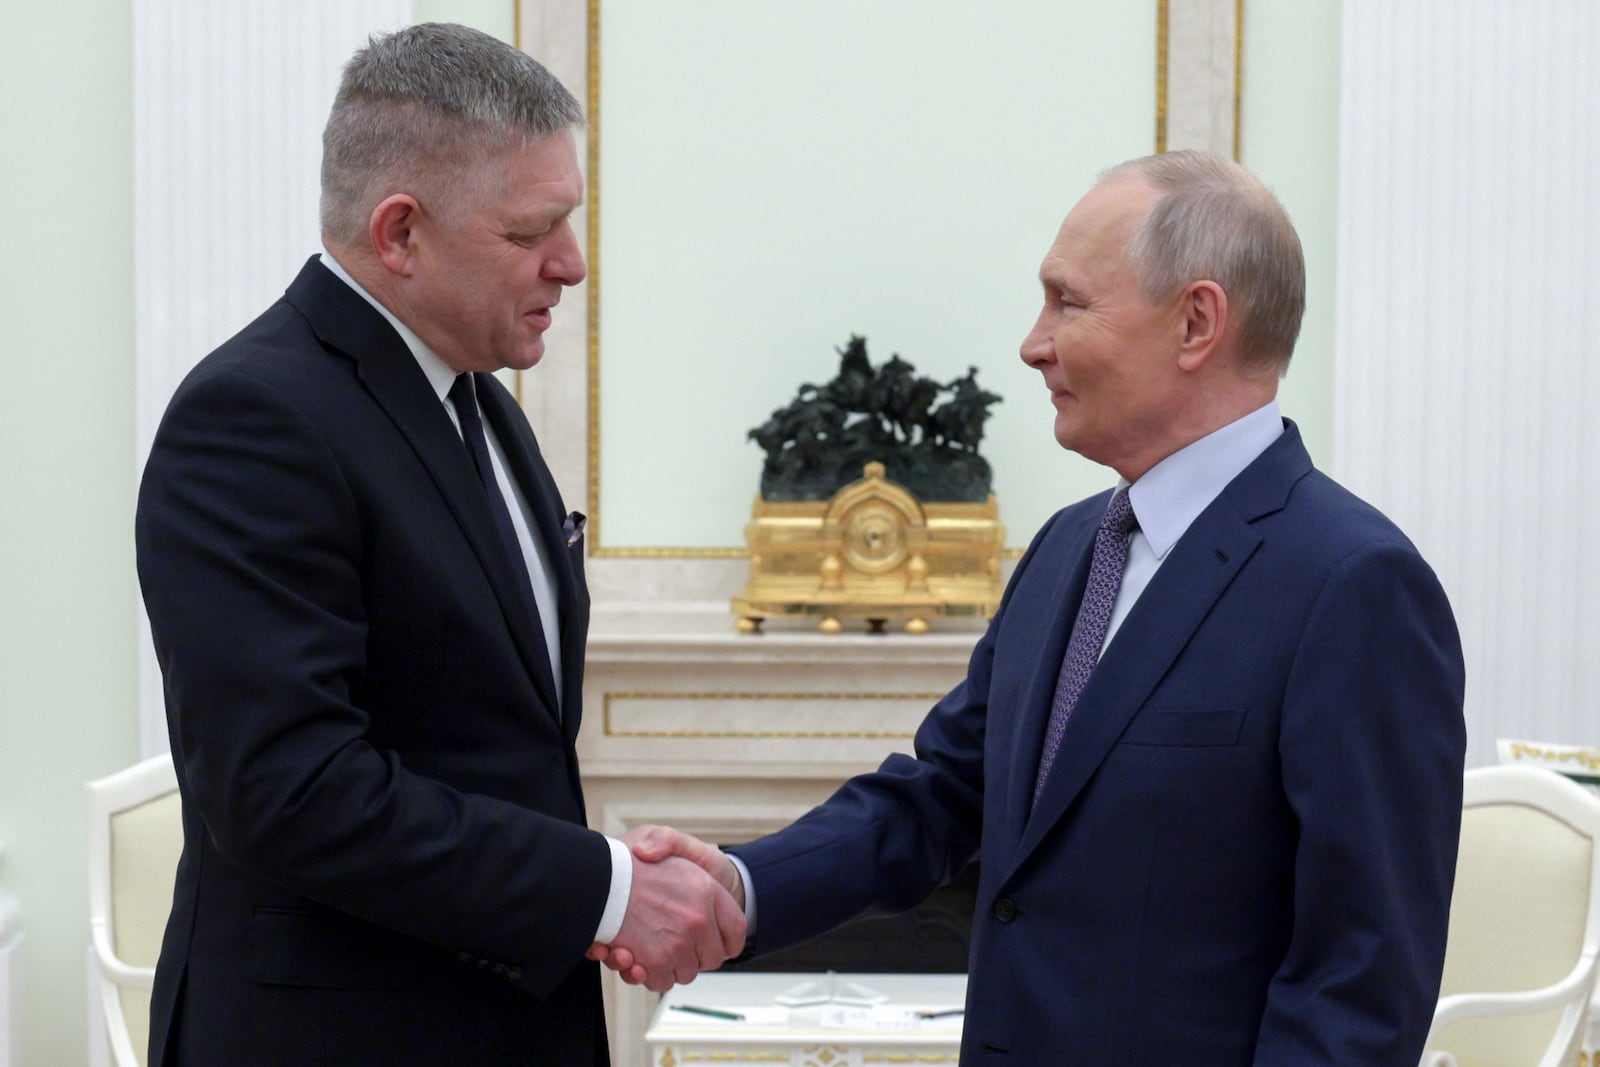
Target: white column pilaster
229, 101
1201, 75
1466, 375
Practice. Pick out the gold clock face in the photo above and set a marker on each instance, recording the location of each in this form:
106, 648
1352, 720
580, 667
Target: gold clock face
874, 538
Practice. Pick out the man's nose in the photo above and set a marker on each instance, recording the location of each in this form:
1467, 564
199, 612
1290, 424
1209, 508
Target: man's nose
1038, 347
566, 264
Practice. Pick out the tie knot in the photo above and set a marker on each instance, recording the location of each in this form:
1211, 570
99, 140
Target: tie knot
1119, 517
463, 395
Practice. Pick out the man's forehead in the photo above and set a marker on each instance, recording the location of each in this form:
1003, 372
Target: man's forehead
543, 182
1102, 222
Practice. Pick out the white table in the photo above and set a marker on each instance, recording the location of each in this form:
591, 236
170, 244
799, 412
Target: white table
820, 1035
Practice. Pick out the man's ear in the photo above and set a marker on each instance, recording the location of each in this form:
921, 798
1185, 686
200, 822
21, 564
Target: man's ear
390, 230
1204, 307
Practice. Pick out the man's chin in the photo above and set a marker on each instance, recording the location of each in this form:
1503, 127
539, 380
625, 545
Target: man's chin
1065, 435
527, 358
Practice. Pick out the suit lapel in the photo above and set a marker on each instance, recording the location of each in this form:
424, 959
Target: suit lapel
386, 367
1068, 578
1190, 581
544, 499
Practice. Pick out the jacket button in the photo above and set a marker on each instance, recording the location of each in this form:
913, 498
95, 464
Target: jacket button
1005, 909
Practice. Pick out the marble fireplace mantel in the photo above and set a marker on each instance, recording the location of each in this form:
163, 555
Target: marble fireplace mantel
730, 736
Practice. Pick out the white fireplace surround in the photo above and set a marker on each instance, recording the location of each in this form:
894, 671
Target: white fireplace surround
729, 737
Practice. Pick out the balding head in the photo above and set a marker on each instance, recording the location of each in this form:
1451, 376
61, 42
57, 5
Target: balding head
1214, 220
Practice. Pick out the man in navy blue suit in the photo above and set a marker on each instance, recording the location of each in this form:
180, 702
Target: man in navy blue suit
369, 607
1212, 766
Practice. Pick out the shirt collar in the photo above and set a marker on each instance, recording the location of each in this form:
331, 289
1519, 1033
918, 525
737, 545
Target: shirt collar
1174, 492
439, 373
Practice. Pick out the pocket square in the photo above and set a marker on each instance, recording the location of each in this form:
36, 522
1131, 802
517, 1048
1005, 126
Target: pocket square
572, 526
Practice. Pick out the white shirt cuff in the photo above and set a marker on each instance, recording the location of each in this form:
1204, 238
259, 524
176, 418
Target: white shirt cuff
749, 894
621, 888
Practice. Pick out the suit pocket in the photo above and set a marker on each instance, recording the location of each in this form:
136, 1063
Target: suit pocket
313, 951
1185, 729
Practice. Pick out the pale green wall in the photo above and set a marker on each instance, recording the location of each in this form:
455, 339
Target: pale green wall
895, 169
67, 608
68, 596
491, 16
774, 179
1290, 137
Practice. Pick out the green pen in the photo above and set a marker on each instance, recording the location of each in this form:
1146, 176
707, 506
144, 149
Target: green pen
715, 1013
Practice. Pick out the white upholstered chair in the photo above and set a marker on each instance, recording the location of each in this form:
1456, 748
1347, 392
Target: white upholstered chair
1524, 923
135, 837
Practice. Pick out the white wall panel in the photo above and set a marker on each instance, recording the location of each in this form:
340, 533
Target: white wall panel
229, 101
1469, 280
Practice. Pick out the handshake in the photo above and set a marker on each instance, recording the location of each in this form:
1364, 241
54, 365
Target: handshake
686, 911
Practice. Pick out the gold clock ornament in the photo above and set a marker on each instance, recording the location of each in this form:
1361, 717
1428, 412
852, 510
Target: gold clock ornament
872, 552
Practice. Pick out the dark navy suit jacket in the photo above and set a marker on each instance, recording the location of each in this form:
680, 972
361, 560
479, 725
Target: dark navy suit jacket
1245, 850
385, 858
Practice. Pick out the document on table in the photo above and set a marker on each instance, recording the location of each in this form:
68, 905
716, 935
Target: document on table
889, 1017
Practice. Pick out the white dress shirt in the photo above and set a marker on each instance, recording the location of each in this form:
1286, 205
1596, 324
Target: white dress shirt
441, 377
1174, 492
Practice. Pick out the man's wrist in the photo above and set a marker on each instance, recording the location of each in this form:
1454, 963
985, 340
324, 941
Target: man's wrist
749, 894
621, 888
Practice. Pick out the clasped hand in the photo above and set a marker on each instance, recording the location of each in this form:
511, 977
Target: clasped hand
685, 911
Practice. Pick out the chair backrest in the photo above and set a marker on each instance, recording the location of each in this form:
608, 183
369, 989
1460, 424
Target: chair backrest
1525, 908
135, 838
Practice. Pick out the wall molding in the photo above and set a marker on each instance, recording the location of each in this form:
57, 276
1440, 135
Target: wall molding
1198, 60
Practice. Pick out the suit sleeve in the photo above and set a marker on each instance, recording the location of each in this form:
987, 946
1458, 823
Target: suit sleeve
889, 838
251, 561
1371, 749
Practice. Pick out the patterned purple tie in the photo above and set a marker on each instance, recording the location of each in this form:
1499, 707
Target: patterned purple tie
1089, 631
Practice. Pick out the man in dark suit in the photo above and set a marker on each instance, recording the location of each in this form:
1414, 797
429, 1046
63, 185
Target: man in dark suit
1209, 750
370, 616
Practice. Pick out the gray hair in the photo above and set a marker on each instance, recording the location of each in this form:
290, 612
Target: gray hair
424, 110
1217, 222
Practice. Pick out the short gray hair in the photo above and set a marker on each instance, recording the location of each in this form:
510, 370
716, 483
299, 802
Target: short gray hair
1217, 222
423, 110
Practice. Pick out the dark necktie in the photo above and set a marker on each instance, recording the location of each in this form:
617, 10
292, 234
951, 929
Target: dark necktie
1089, 631
465, 399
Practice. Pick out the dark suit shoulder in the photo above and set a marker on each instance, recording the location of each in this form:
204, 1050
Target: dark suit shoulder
278, 346
1328, 517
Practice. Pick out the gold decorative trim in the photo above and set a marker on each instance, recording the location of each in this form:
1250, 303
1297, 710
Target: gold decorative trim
596, 550
1238, 75
824, 1055
1587, 758
597, 547
835, 735
1162, 14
